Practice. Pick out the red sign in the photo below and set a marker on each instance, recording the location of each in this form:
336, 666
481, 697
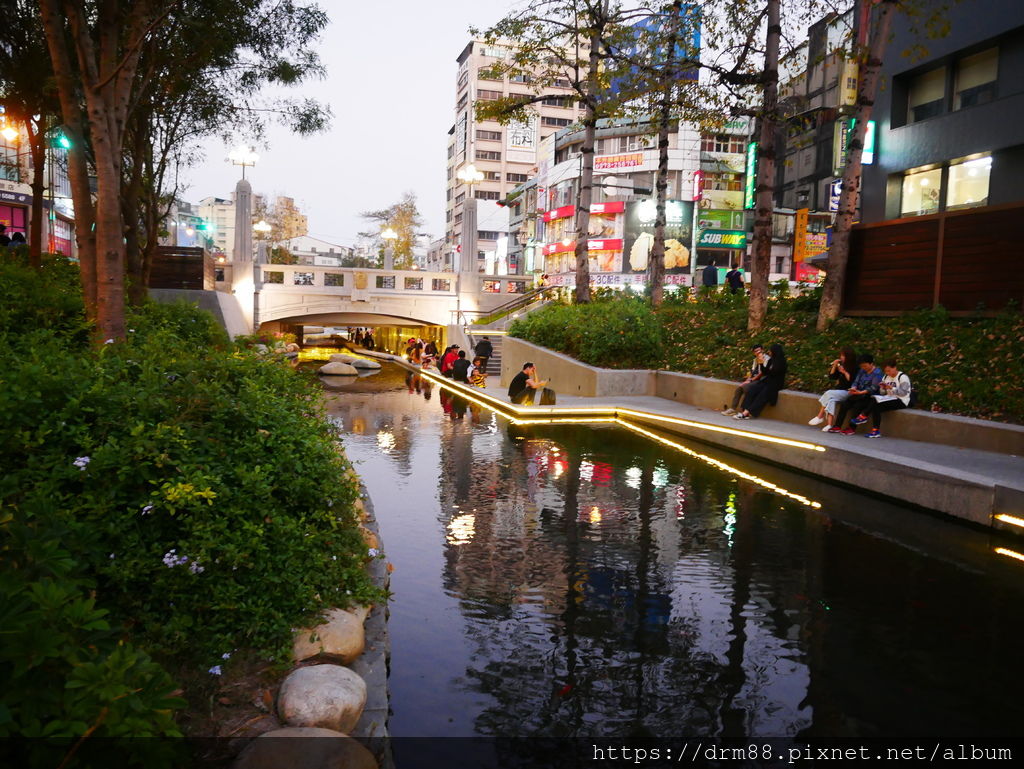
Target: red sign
559, 213
609, 162
560, 247
614, 207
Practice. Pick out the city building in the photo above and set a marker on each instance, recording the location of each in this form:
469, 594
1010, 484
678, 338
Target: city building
439, 259
281, 213
16, 176
505, 155
943, 200
218, 215
314, 251
183, 225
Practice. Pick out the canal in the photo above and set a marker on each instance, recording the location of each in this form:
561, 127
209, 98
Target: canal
585, 581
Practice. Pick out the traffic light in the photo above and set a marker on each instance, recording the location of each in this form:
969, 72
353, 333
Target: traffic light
59, 139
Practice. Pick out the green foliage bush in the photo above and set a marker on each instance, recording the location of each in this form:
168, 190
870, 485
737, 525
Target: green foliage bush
614, 333
967, 366
195, 505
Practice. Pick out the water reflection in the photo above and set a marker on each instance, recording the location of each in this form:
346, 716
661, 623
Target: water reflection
587, 581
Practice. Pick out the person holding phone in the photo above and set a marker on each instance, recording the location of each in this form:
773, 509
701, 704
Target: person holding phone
524, 386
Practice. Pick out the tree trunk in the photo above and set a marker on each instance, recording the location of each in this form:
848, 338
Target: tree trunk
37, 148
78, 172
656, 268
587, 175
132, 211
849, 197
764, 199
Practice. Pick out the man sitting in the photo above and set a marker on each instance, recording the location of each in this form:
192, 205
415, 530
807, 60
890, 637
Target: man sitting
866, 384
524, 386
460, 368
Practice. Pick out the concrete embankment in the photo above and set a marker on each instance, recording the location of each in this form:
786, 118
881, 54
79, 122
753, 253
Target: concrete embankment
973, 470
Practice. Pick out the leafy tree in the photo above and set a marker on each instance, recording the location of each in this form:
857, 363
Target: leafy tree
404, 218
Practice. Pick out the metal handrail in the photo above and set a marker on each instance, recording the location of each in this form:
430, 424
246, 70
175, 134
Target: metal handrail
522, 300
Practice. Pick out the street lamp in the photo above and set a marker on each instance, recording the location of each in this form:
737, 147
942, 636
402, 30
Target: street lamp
469, 175
262, 227
389, 236
243, 156
10, 133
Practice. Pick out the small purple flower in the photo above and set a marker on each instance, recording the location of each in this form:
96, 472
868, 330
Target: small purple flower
195, 568
373, 552
82, 462
226, 656
171, 559
147, 510
215, 670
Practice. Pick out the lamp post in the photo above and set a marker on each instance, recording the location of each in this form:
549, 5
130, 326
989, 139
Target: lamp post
469, 175
243, 155
389, 236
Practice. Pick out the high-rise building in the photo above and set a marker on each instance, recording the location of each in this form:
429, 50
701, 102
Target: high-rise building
505, 155
218, 215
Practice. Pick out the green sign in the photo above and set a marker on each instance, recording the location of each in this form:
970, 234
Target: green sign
722, 239
751, 173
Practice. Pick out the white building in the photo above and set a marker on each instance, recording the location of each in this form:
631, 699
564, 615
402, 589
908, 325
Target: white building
317, 252
218, 214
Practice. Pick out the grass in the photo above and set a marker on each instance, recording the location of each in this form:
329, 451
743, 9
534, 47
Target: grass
967, 366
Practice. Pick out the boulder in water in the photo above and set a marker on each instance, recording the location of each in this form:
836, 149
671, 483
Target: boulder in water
364, 363
338, 369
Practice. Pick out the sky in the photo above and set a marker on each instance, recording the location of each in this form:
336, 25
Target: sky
390, 83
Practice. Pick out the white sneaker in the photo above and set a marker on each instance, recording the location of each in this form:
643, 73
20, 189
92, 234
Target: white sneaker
826, 428
728, 412
816, 421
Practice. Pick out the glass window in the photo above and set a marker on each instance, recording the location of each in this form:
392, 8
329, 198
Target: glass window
218, 274
385, 281
273, 276
921, 192
492, 286
968, 183
414, 284
440, 284
515, 287
303, 279
334, 279
976, 79
926, 95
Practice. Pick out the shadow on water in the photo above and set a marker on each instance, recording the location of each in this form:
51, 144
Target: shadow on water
584, 581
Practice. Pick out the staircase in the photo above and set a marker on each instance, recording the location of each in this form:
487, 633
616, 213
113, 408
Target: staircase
494, 362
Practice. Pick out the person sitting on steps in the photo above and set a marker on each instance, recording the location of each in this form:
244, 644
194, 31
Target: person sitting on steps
841, 371
894, 392
865, 384
766, 390
756, 374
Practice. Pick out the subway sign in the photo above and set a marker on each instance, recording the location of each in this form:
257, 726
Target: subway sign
722, 239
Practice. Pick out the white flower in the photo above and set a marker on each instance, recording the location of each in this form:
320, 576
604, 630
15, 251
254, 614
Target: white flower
215, 670
109, 341
226, 656
82, 462
147, 509
195, 568
373, 552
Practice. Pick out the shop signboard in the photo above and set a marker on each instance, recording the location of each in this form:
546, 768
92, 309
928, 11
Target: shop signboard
639, 235
610, 162
718, 219
750, 185
722, 239
800, 236
835, 189
841, 144
521, 140
731, 200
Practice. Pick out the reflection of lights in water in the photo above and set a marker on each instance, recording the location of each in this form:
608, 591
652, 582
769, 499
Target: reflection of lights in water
660, 477
559, 467
595, 514
386, 441
719, 464
358, 425
730, 517
633, 477
461, 529
586, 471
680, 502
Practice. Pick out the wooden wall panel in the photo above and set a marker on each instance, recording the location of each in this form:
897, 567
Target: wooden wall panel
182, 267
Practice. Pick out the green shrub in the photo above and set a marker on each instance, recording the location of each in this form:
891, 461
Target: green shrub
181, 319
49, 300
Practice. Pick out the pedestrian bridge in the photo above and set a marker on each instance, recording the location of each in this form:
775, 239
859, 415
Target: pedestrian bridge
331, 296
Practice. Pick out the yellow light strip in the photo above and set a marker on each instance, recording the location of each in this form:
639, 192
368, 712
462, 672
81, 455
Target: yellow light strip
1011, 519
564, 421
720, 465
726, 430
1010, 553
485, 332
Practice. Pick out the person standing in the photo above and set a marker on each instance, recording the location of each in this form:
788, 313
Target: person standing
4, 240
368, 340
734, 278
709, 277
484, 349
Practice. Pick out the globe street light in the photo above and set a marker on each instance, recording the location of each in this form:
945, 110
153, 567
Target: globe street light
389, 236
243, 156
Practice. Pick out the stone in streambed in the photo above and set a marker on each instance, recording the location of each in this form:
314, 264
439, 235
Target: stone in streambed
328, 696
330, 750
340, 357
339, 637
338, 369
364, 363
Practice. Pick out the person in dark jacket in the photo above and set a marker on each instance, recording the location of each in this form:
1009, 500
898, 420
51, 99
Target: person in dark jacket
460, 368
866, 384
767, 389
484, 349
841, 371
710, 274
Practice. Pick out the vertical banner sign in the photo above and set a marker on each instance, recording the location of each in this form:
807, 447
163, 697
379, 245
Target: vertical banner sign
800, 236
751, 174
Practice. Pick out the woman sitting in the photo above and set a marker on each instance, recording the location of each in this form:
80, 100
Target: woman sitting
842, 371
766, 390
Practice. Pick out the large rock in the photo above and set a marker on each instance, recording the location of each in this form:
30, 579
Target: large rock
341, 357
339, 637
330, 750
338, 369
365, 363
328, 696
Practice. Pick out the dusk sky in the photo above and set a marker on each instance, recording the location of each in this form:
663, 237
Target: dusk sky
390, 83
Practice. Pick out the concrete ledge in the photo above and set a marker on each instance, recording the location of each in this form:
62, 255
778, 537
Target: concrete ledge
570, 377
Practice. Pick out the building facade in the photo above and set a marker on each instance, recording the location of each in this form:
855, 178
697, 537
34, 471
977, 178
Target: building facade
505, 155
218, 215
